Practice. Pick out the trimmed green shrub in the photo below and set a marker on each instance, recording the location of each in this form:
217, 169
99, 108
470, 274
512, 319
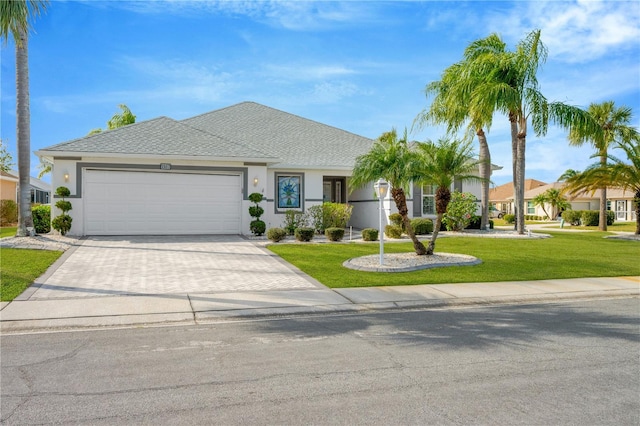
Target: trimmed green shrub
611, 217
334, 234
328, 215
589, 218
393, 231
422, 226
460, 211
62, 223
396, 219
257, 227
41, 218
304, 234
572, 217
256, 211
293, 220
8, 212
276, 234
369, 234
509, 218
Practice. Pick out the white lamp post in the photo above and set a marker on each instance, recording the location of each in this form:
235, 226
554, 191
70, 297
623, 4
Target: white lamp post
381, 187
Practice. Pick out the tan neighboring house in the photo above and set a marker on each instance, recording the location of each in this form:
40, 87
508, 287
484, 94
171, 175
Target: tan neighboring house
618, 200
8, 187
501, 197
40, 191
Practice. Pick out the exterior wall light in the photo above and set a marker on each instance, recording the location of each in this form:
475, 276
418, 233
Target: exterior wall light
382, 188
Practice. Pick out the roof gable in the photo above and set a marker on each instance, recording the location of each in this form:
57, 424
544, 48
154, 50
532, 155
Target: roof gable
297, 141
159, 136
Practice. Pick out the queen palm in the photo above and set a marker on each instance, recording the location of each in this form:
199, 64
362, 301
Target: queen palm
441, 164
509, 85
393, 160
15, 19
615, 127
617, 174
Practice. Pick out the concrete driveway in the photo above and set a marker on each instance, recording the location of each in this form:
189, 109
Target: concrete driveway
137, 265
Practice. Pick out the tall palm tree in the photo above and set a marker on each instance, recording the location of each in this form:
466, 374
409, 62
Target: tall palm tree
452, 106
441, 164
617, 174
393, 160
15, 17
569, 173
557, 201
541, 200
615, 126
509, 85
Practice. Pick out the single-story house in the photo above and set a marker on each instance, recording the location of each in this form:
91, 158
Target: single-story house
501, 197
40, 191
618, 200
194, 176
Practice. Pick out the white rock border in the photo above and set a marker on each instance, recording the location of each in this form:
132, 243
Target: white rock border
407, 262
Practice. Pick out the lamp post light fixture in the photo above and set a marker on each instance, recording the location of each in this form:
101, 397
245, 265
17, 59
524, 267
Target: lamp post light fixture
382, 188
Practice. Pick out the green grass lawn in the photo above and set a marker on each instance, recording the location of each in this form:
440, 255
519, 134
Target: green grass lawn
617, 226
20, 268
566, 255
8, 231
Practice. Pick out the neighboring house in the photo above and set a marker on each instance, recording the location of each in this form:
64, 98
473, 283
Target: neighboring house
8, 186
40, 191
193, 176
501, 197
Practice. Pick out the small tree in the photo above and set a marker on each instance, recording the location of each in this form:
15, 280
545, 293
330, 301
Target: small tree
257, 226
62, 223
460, 211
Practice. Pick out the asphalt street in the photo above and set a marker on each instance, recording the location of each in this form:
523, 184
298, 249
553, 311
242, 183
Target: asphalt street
555, 363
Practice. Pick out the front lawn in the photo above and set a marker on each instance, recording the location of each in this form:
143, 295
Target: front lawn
20, 268
616, 226
9, 231
565, 255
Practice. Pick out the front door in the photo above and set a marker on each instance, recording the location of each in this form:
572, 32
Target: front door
333, 190
621, 210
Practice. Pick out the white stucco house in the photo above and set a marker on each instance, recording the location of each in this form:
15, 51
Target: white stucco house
193, 176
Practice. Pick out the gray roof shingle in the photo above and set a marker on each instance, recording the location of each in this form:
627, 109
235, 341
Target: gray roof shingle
159, 136
243, 131
297, 141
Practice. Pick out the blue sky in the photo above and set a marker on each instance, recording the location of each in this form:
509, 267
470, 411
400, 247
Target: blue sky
357, 65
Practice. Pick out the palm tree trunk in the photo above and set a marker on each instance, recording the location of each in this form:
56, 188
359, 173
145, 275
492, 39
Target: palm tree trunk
436, 228
514, 156
520, 166
401, 203
602, 223
636, 204
25, 220
485, 173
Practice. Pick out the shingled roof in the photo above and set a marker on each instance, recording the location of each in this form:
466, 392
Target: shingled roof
297, 141
160, 136
247, 132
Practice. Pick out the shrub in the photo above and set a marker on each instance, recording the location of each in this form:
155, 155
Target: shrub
62, 223
393, 231
369, 234
334, 234
590, 218
42, 218
460, 211
8, 212
315, 216
572, 217
476, 221
396, 219
422, 226
611, 217
276, 234
509, 218
328, 215
257, 227
293, 220
304, 234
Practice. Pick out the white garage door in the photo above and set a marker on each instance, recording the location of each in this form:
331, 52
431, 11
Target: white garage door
143, 203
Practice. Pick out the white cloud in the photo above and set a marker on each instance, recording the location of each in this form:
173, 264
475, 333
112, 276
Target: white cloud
576, 31
307, 72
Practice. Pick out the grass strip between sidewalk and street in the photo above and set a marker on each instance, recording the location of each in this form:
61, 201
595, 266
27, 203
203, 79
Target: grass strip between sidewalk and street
565, 255
20, 267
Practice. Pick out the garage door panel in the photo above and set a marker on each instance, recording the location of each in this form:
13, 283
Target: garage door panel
120, 203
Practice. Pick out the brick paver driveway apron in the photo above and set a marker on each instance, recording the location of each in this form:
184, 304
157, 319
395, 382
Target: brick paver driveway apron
107, 266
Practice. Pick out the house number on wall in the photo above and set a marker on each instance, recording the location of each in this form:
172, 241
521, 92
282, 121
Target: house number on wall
165, 166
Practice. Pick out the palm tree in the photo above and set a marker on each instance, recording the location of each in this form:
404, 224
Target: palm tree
452, 106
557, 201
441, 164
615, 127
393, 160
509, 85
617, 174
541, 200
15, 19
569, 173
